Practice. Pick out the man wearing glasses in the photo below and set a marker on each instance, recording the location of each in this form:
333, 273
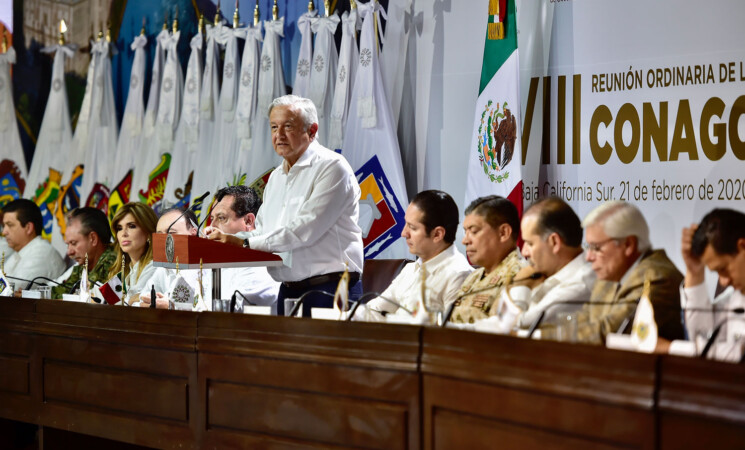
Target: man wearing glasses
621, 254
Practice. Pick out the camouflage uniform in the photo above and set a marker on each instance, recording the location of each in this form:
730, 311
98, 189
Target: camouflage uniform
486, 288
99, 273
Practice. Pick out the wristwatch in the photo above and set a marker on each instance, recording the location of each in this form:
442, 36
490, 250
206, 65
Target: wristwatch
245, 243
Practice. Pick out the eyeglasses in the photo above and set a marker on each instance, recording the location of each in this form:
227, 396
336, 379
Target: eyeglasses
597, 247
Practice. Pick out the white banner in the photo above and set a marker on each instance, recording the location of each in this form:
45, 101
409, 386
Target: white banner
644, 102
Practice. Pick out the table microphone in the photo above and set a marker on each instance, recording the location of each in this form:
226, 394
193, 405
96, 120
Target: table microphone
31, 282
717, 329
233, 300
542, 314
299, 302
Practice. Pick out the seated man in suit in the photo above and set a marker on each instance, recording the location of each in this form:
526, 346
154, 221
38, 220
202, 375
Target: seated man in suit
87, 234
619, 249
718, 243
235, 212
34, 257
431, 224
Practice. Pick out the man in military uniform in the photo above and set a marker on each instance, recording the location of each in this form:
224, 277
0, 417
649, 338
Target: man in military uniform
87, 233
492, 226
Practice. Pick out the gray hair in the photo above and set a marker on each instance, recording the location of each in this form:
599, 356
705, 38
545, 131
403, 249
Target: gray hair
302, 106
619, 220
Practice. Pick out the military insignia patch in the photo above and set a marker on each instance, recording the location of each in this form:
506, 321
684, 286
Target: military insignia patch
381, 214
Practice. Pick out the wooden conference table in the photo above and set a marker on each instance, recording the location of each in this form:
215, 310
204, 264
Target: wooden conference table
92, 376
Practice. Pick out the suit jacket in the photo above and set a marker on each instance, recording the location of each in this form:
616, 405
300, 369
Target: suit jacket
594, 322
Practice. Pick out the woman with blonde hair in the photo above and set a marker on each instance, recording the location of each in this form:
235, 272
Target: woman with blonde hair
133, 226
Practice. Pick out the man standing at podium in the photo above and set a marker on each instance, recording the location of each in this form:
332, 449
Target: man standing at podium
310, 211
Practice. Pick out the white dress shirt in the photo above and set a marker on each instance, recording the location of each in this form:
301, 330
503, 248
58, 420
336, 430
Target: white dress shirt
5, 248
135, 284
309, 216
572, 283
37, 259
142, 283
254, 283
444, 275
702, 315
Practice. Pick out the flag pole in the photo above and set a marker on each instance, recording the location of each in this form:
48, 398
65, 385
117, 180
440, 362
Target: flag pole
375, 22
236, 16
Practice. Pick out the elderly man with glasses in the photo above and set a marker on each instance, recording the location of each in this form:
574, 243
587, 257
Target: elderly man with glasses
621, 254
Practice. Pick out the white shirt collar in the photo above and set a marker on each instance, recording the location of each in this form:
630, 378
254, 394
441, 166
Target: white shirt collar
437, 259
304, 160
569, 269
28, 248
631, 269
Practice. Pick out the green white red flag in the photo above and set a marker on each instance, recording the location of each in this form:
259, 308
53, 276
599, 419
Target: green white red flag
494, 157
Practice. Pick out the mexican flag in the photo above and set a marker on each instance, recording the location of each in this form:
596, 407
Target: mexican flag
115, 290
494, 157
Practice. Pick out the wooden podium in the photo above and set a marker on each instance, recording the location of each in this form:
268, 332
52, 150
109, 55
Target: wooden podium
189, 251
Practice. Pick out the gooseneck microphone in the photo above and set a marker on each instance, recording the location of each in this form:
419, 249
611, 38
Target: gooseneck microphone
197, 201
233, 300
299, 302
31, 282
542, 314
716, 330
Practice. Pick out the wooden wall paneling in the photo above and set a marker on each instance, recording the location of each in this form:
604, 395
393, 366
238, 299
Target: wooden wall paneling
16, 360
483, 390
278, 382
127, 374
701, 404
